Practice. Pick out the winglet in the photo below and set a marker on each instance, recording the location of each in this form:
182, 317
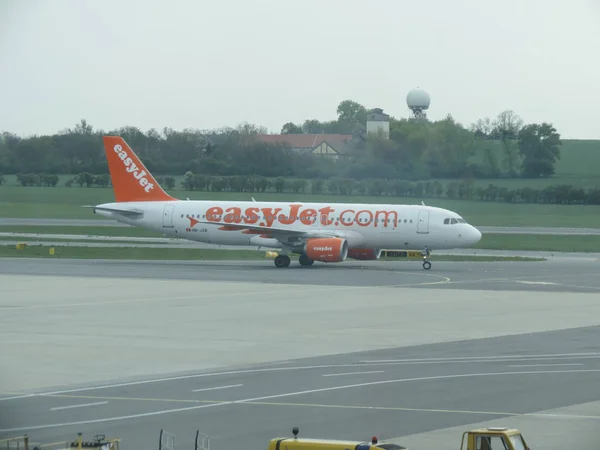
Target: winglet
131, 181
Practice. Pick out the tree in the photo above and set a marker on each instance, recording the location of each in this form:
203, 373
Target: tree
312, 126
449, 148
506, 129
351, 112
291, 128
540, 147
482, 128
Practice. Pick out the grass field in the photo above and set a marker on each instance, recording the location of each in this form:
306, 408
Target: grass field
489, 241
82, 231
66, 203
578, 166
189, 254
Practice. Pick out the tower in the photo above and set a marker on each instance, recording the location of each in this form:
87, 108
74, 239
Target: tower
378, 122
418, 102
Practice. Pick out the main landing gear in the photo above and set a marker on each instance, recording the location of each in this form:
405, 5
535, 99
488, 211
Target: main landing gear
305, 260
284, 261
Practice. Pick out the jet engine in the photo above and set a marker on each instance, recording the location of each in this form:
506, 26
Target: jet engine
364, 253
327, 249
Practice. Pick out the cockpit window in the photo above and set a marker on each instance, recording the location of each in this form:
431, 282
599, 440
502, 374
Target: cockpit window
454, 220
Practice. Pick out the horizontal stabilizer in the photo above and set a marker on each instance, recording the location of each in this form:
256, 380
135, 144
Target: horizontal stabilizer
126, 212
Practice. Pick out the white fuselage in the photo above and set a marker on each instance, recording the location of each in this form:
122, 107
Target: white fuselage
376, 226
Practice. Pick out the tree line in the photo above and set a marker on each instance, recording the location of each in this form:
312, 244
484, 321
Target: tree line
415, 150
455, 190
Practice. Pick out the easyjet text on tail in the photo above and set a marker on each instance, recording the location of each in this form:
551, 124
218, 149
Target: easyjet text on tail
131, 181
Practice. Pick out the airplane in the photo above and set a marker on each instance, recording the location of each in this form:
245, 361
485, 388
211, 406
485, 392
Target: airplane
325, 232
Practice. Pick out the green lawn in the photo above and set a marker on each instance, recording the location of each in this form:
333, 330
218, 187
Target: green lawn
539, 242
187, 254
83, 231
65, 203
577, 166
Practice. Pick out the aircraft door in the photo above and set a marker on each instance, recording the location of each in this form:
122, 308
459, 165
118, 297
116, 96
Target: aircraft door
318, 220
423, 222
168, 216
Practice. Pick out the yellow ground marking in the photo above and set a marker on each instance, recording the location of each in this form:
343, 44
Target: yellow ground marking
350, 407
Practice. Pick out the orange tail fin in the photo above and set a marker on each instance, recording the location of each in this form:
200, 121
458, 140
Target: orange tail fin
131, 181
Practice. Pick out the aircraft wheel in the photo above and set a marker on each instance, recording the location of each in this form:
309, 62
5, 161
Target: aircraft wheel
282, 261
305, 260
426, 265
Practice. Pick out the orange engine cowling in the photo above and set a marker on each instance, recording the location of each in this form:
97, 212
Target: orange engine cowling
364, 253
327, 249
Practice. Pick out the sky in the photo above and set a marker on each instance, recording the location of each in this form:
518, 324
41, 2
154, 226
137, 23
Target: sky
208, 64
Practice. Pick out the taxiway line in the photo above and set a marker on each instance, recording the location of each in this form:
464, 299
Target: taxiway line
292, 394
350, 407
543, 365
217, 388
362, 363
58, 408
351, 373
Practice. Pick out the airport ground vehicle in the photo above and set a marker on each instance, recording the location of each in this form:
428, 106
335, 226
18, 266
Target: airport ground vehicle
99, 442
493, 438
166, 441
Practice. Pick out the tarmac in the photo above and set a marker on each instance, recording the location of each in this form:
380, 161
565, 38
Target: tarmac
243, 351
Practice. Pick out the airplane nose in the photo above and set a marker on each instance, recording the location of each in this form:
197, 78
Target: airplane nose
475, 235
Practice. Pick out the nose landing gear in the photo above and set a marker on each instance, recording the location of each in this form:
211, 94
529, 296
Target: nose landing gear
426, 263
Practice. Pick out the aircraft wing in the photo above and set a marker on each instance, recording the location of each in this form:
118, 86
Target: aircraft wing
281, 234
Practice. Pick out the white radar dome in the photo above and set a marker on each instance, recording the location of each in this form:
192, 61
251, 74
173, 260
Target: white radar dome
418, 98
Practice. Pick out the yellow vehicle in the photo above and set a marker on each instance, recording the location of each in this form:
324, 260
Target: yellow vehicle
295, 443
493, 438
